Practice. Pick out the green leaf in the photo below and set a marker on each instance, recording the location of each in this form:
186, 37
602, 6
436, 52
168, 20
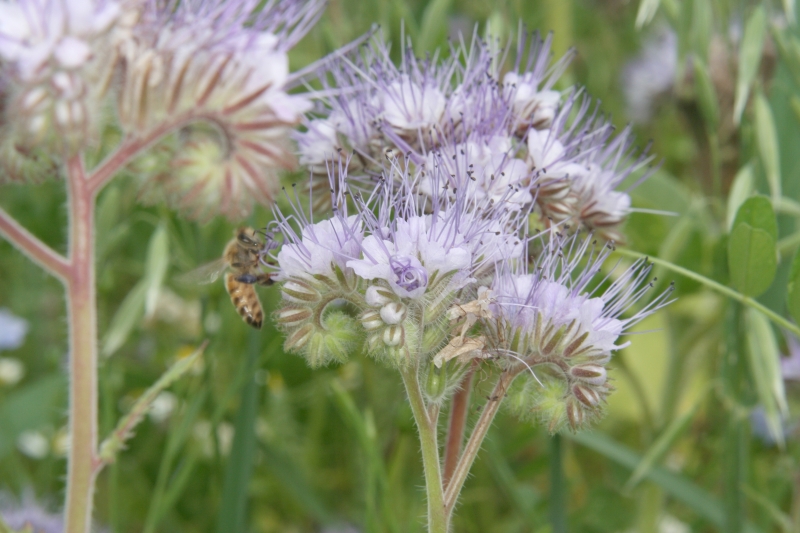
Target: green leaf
767, 139
757, 212
702, 24
741, 189
793, 289
706, 95
794, 103
749, 59
155, 269
647, 10
127, 316
232, 517
30, 407
433, 30
765, 370
291, 477
677, 486
752, 255
363, 426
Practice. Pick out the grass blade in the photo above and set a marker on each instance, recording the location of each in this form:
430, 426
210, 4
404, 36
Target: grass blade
232, 517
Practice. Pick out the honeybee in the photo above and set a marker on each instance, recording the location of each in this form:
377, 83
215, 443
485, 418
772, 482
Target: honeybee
243, 257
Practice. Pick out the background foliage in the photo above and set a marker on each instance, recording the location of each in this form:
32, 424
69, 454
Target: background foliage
255, 441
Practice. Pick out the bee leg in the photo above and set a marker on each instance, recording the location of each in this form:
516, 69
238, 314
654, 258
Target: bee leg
265, 278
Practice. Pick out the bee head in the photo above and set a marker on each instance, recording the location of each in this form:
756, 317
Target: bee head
247, 238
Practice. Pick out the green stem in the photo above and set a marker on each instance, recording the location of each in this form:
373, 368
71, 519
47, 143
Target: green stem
438, 517
734, 456
720, 288
558, 500
476, 438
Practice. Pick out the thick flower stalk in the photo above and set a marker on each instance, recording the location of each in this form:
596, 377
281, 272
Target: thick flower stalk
204, 84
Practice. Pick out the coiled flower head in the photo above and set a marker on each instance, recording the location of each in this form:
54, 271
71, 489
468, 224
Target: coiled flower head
548, 314
218, 71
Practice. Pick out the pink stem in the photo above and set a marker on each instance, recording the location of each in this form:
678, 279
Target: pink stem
82, 319
36, 250
455, 431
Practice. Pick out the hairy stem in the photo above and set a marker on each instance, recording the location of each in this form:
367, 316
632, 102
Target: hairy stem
82, 319
476, 438
455, 429
438, 518
37, 251
722, 289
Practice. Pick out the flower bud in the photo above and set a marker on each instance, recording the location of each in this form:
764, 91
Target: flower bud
393, 313
371, 320
335, 342
586, 395
592, 374
576, 414
393, 336
300, 291
293, 316
378, 296
436, 384
297, 339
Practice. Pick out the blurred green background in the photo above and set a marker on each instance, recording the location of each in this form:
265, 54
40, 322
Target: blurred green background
256, 441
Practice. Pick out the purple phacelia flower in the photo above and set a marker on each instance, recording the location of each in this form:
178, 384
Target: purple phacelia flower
29, 515
548, 313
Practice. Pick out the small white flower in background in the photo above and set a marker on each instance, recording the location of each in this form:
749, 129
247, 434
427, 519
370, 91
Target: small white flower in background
61, 442
11, 371
162, 407
12, 330
33, 444
202, 433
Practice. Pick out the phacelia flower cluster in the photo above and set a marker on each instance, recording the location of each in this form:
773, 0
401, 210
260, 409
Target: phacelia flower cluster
204, 85
558, 314
441, 278
495, 129
400, 258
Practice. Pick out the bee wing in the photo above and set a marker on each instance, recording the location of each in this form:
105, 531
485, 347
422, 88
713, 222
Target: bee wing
203, 275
